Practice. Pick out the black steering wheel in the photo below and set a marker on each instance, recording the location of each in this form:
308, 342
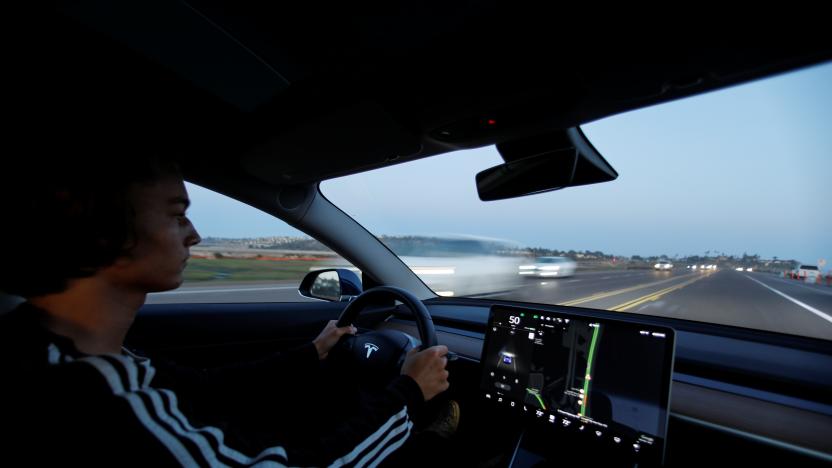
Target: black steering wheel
380, 354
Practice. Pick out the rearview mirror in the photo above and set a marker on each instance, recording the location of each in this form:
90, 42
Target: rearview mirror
543, 163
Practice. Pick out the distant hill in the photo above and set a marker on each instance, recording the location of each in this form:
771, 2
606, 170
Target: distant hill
449, 246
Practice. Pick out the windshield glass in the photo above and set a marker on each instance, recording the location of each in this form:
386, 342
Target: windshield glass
704, 222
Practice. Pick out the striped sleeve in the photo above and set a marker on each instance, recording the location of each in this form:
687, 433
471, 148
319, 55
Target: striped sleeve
157, 412
386, 434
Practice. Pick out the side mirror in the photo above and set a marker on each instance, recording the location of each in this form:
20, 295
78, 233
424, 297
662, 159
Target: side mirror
335, 284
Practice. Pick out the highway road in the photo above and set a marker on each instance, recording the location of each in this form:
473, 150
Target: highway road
743, 299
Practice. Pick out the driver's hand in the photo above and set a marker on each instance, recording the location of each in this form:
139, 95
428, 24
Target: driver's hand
427, 368
329, 336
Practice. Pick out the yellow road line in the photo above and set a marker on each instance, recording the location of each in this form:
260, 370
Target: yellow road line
602, 295
653, 296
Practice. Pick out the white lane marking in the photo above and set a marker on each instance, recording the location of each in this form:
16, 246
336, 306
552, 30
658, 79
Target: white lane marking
199, 291
807, 307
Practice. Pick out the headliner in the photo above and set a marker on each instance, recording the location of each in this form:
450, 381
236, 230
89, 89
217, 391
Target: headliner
292, 97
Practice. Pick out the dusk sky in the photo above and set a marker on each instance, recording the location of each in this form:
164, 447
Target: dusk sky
745, 169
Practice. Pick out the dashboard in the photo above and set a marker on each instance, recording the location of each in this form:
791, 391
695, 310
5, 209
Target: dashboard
737, 395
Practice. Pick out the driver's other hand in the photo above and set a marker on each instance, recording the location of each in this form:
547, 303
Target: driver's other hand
427, 368
329, 336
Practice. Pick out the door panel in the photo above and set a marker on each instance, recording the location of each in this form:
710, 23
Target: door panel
207, 335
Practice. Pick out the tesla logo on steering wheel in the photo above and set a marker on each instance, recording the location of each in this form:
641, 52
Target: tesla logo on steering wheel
370, 348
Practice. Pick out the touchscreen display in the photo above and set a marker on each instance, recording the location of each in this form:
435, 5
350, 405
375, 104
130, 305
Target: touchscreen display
609, 380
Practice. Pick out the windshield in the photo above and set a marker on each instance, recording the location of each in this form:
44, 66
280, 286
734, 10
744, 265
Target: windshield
703, 223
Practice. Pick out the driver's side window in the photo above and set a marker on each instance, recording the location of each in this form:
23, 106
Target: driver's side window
245, 255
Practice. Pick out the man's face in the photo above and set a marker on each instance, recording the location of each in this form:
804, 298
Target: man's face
163, 237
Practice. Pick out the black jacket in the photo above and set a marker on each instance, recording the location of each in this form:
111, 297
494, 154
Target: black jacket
65, 407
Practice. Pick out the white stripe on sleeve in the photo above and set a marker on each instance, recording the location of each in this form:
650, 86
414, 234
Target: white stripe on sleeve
372, 439
179, 452
392, 447
371, 455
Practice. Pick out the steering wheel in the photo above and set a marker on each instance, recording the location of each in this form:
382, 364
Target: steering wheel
380, 354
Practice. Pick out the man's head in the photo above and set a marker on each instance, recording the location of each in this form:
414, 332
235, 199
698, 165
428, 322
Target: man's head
123, 220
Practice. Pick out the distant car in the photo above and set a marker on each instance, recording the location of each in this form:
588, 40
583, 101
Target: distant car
454, 265
462, 265
807, 272
663, 265
549, 267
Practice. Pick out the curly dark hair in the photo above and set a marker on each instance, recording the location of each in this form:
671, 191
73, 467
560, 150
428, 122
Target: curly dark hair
69, 220
89, 120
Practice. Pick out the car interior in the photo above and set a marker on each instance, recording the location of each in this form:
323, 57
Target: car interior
264, 103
